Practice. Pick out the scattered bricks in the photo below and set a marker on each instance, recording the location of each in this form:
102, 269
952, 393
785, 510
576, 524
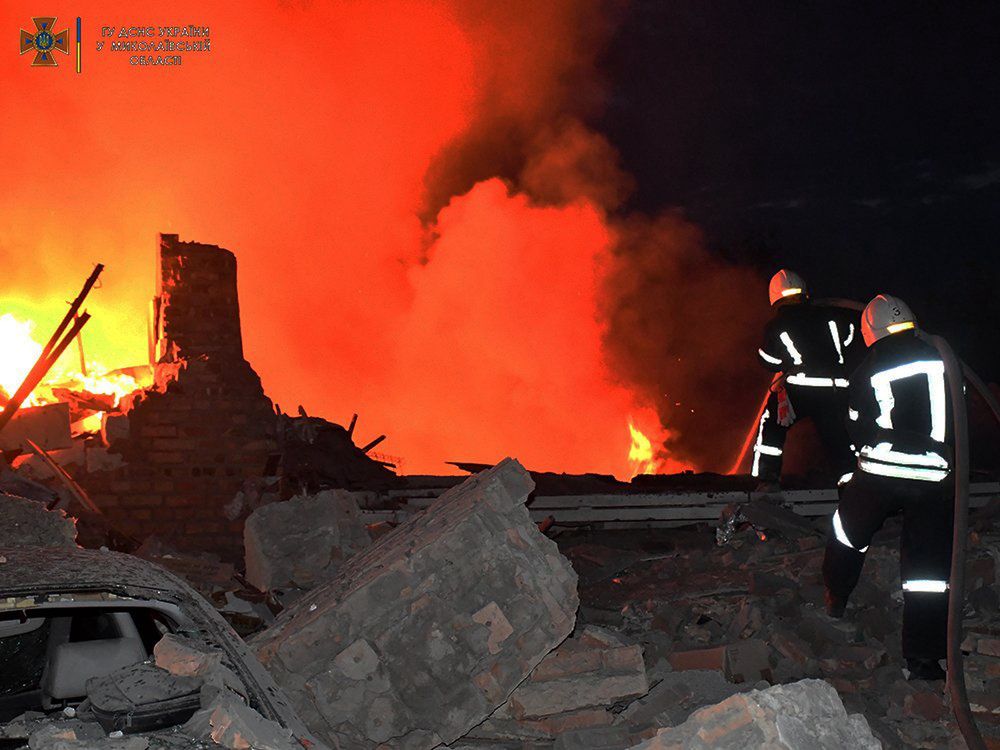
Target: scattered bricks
302, 542
980, 571
768, 517
497, 729
704, 658
806, 715
676, 696
985, 601
572, 720
747, 623
821, 632
984, 702
792, 647
747, 661
583, 672
742, 661
924, 705
865, 658
388, 653
229, 722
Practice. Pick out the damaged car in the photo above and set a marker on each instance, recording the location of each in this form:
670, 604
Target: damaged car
101, 649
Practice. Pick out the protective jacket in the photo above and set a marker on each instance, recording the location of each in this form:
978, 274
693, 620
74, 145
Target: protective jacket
815, 345
899, 415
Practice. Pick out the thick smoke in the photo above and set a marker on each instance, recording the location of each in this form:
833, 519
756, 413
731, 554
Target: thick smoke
422, 220
682, 328
679, 325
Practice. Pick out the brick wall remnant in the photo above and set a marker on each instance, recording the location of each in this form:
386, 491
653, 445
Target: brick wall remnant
196, 310
206, 426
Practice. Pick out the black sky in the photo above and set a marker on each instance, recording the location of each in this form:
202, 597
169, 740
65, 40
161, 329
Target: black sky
857, 143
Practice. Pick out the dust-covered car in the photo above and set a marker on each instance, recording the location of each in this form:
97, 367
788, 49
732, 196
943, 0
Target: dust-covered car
101, 649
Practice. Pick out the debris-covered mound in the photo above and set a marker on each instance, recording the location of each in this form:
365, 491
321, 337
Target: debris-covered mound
318, 455
425, 634
26, 523
747, 605
302, 542
805, 715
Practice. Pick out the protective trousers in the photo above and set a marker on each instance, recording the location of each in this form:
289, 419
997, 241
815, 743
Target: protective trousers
925, 551
826, 407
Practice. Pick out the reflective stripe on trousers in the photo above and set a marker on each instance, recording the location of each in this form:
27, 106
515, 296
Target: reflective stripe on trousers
838, 531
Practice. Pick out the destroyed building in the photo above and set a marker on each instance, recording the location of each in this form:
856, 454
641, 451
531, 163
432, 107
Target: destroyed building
186, 459
507, 610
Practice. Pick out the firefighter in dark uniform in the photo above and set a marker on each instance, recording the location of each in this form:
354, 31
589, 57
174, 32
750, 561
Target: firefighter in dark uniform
814, 347
900, 420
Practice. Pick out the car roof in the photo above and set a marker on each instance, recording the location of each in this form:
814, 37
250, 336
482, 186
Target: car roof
27, 571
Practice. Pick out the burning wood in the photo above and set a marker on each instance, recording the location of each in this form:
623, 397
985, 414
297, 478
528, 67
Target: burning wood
87, 395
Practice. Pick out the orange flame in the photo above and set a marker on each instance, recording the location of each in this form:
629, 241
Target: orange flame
18, 353
641, 457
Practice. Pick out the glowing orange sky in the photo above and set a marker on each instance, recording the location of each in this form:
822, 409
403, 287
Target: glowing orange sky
301, 142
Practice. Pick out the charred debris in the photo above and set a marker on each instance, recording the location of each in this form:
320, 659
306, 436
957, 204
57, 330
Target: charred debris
253, 578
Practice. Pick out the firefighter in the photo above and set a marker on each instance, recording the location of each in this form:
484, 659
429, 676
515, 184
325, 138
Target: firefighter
813, 347
899, 419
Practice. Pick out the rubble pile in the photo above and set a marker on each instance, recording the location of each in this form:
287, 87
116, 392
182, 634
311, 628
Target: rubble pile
750, 610
426, 633
318, 455
303, 542
573, 688
189, 445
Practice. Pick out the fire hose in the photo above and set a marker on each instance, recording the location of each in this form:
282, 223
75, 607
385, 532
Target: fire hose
956, 591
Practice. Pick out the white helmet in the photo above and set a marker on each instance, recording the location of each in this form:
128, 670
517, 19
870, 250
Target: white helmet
786, 284
884, 316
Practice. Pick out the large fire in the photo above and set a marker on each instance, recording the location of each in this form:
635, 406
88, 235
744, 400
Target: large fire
423, 242
102, 390
18, 353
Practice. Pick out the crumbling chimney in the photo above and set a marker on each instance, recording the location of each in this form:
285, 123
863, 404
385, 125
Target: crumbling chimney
196, 310
195, 440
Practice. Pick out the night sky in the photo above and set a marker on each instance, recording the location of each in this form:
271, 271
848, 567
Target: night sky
856, 143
